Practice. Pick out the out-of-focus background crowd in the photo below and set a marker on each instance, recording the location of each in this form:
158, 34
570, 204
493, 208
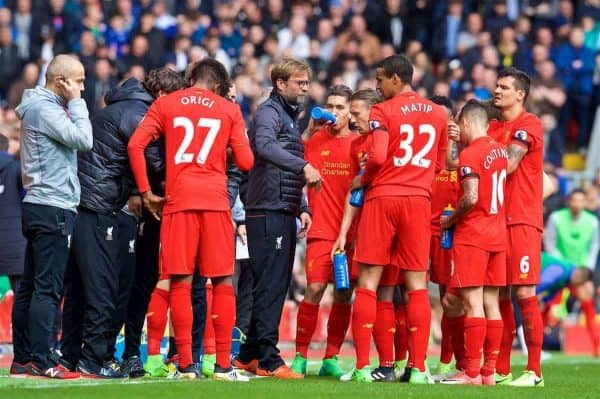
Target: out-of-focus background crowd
457, 48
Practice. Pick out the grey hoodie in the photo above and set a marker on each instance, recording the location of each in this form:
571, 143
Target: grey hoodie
51, 135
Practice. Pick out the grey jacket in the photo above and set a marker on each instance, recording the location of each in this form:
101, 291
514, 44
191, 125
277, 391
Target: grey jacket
52, 134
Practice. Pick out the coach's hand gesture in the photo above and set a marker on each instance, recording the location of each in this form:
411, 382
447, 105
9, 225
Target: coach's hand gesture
153, 203
312, 176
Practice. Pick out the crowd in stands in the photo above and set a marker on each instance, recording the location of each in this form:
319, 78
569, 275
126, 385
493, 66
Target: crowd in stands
457, 47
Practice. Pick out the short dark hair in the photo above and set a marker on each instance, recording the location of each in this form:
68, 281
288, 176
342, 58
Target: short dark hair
163, 79
211, 72
397, 64
341, 91
444, 102
474, 110
576, 191
521, 79
3, 142
369, 96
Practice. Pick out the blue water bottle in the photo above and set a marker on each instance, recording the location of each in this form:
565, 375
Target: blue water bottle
447, 235
319, 114
341, 278
357, 196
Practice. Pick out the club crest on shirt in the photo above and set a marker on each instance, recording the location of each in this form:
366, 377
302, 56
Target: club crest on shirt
465, 171
325, 153
521, 135
374, 125
109, 233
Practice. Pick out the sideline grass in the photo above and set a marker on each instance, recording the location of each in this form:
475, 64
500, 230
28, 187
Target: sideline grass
565, 377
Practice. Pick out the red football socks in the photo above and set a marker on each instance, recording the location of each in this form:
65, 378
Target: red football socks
446, 346
533, 329
157, 319
419, 323
383, 333
223, 314
491, 346
590, 321
457, 326
363, 318
474, 337
401, 335
306, 323
337, 327
508, 335
182, 318
208, 341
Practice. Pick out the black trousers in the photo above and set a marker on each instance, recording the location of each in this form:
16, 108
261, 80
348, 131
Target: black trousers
144, 280
91, 288
243, 282
127, 225
271, 244
49, 234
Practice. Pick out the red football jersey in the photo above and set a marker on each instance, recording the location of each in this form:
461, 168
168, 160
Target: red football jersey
484, 226
409, 145
331, 156
524, 185
444, 193
198, 126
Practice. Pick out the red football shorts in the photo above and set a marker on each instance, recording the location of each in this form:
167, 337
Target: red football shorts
523, 257
319, 266
440, 258
395, 230
476, 267
203, 239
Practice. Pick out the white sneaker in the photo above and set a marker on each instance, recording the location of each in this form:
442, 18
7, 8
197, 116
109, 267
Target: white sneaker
231, 375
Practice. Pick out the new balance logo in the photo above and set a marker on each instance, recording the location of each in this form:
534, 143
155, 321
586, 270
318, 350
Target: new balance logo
131, 246
69, 241
1, 188
367, 325
52, 372
278, 241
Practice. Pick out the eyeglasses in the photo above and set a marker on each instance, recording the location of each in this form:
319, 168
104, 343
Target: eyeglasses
300, 82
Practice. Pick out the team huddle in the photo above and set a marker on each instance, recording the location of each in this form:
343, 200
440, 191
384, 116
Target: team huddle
426, 172
455, 199
408, 154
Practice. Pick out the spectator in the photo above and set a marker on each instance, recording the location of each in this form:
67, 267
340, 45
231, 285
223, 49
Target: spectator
572, 232
51, 137
368, 43
98, 85
12, 250
31, 74
293, 40
446, 31
10, 62
575, 65
154, 36
327, 39
468, 38
137, 55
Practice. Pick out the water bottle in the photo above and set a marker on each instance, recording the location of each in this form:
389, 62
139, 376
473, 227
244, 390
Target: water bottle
341, 278
357, 196
447, 235
319, 114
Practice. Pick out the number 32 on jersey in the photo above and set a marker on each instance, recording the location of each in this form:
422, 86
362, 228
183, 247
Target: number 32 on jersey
213, 125
406, 145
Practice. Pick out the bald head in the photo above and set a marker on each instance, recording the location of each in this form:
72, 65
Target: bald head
63, 65
65, 76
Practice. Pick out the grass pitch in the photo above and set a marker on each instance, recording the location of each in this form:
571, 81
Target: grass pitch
566, 377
